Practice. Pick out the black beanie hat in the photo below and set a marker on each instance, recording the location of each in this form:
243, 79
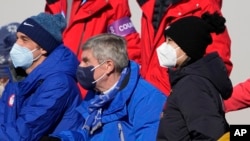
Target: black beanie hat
45, 29
192, 33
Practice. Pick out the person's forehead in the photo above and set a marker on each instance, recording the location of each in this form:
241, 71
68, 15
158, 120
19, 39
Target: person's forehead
23, 39
22, 35
88, 55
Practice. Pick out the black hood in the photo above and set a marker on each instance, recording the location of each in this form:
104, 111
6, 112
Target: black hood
210, 67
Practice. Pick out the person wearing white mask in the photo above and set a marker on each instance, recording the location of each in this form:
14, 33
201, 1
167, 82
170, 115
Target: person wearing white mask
119, 105
43, 101
194, 110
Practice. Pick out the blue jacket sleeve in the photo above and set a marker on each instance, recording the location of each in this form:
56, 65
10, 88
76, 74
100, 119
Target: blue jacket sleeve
145, 127
39, 114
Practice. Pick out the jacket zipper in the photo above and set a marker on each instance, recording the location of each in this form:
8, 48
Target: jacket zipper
121, 132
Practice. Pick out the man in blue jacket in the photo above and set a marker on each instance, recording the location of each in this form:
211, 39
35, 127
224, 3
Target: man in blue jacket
119, 105
43, 101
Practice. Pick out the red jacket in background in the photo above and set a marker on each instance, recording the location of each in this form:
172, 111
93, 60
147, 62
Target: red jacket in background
240, 97
94, 17
219, 2
151, 38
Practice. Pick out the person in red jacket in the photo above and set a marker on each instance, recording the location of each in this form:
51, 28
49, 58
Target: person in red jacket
87, 18
219, 2
157, 15
240, 98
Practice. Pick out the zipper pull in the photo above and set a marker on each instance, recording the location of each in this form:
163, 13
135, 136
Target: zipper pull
121, 132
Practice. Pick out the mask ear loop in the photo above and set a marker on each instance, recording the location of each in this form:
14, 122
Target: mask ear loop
102, 75
37, 56
99, 78
98, 66
181, 55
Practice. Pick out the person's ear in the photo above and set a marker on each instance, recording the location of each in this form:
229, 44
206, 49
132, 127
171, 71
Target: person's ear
43, 51
110, 66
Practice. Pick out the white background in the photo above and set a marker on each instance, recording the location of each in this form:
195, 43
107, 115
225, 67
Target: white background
238, 21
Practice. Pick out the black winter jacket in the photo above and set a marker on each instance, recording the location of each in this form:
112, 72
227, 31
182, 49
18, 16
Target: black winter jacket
194, 109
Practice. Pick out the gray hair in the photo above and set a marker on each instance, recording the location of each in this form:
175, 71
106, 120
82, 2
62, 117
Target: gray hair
109, 46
